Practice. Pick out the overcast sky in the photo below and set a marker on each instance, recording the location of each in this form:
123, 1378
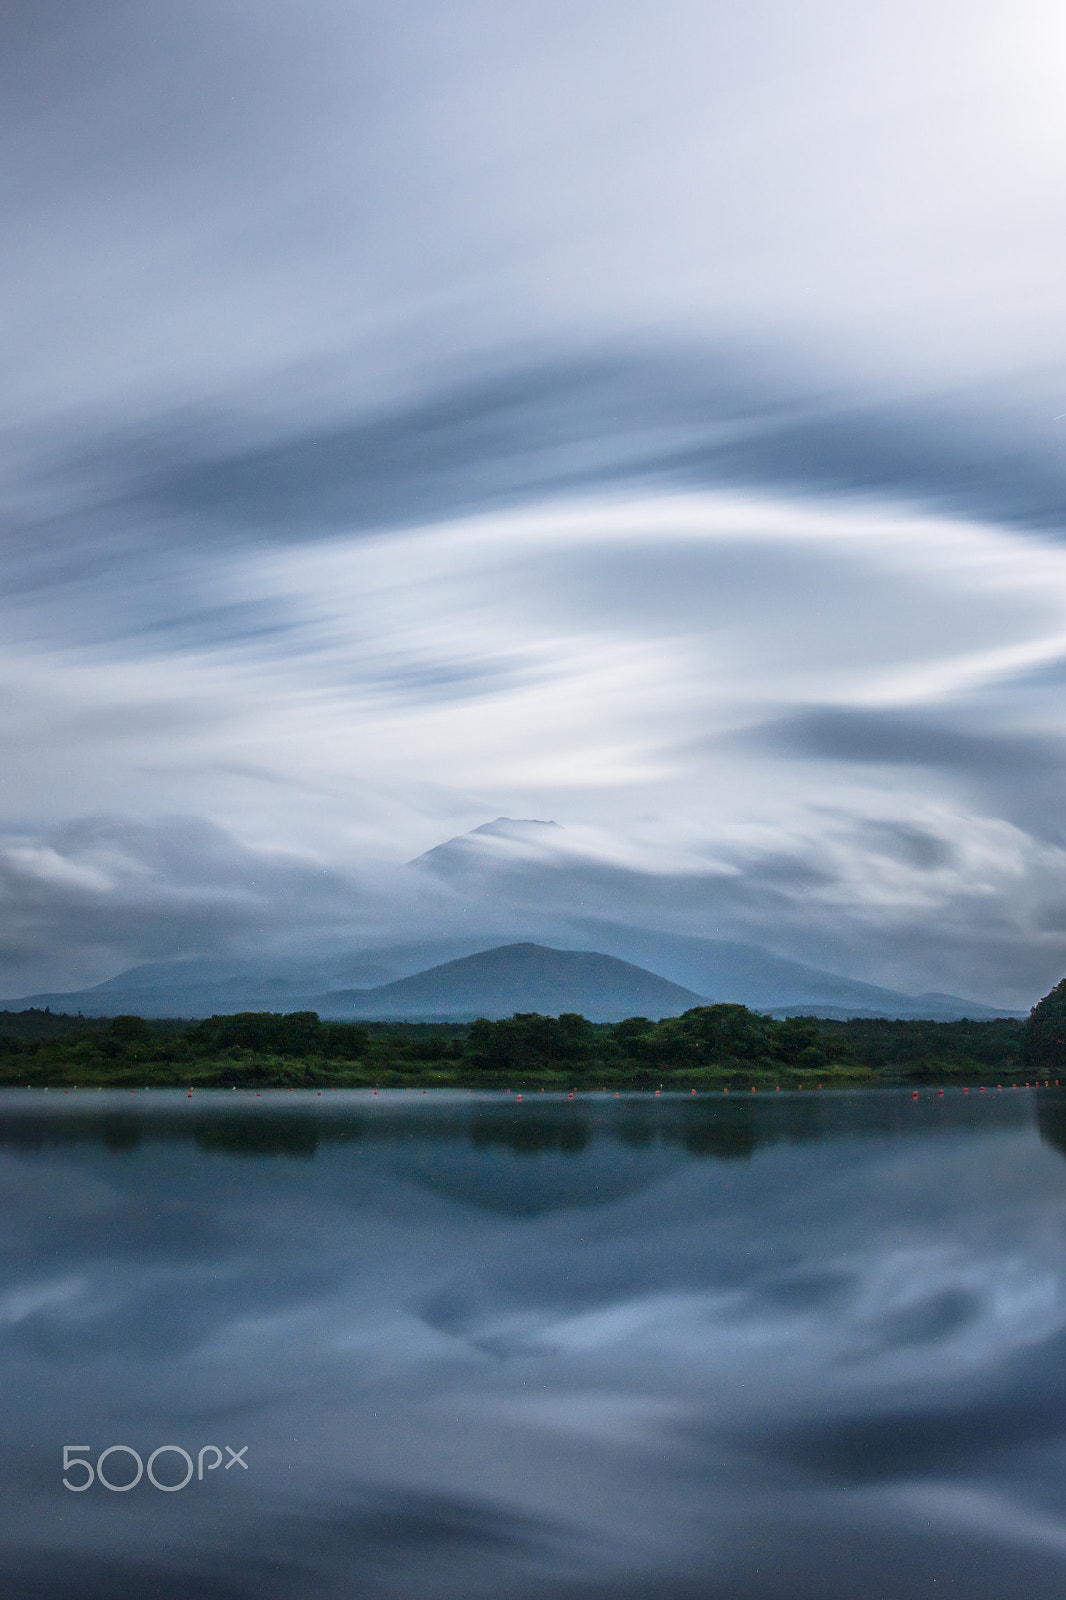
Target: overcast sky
646, 417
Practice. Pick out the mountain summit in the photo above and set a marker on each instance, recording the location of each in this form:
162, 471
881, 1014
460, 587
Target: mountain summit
494, 843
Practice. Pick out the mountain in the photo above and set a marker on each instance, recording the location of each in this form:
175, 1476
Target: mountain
493, 983
192, 988
749, 975
568, 893
519, 977
513, 879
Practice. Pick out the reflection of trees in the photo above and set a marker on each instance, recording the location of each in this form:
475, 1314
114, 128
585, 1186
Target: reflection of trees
721, 1127
1051, 1120
122, 1133
258, 1136
730, 1138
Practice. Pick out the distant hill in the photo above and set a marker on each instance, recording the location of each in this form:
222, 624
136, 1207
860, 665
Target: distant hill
702, 971
177, 989
519, 977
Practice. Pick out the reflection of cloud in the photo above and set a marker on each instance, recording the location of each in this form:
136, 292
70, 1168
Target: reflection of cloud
18, 1304
980, 1511
721, 1341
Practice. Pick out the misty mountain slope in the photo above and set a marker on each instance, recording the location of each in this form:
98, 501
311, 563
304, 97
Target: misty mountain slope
544, 870
509, 884
749, 975
521, 977
598, 984
506, 840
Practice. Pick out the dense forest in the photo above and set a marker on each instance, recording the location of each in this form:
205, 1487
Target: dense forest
709, 1047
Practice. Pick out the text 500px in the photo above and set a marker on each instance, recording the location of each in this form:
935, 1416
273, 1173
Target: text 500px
127, 1474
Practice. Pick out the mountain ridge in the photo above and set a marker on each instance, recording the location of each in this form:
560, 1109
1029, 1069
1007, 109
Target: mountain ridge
156, 989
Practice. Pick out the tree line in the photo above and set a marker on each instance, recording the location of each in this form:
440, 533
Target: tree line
716, 1046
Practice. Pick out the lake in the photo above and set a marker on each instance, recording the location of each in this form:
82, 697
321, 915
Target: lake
732, 1347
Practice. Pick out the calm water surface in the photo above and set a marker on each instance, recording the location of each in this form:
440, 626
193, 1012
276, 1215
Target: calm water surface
732, 1347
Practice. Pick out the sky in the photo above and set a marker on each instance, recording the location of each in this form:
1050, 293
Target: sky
645, 418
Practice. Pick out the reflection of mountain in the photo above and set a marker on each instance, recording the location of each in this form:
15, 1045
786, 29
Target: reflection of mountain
521, 977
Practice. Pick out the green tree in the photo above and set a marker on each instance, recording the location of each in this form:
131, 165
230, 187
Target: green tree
1044, 1039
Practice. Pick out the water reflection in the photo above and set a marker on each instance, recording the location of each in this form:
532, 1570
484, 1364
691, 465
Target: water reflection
714, 1126
781, 1346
